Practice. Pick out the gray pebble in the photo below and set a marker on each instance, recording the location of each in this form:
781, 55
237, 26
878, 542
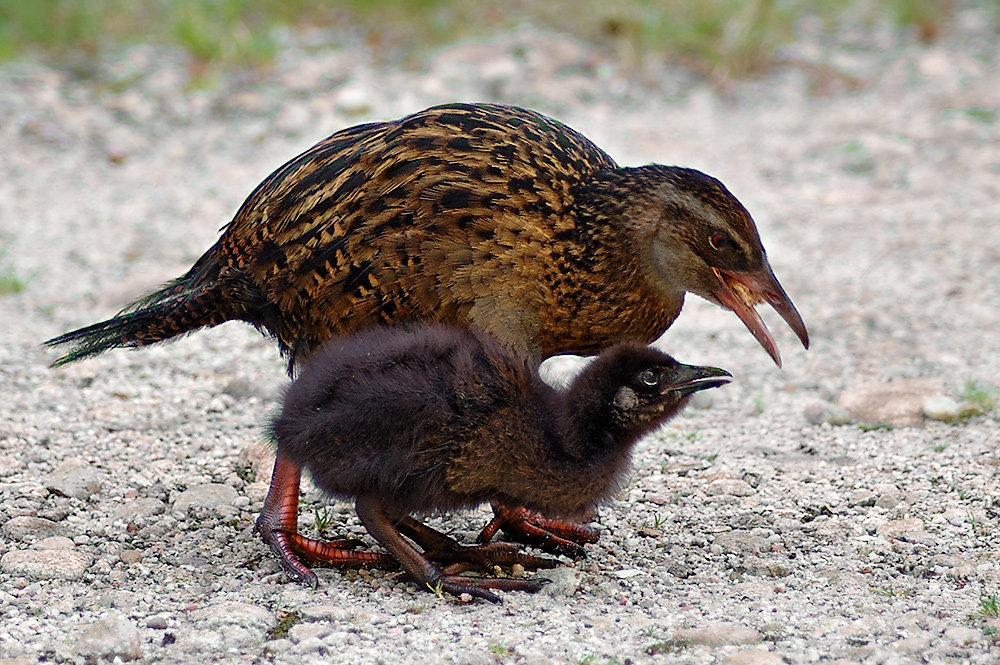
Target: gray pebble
141, 507
753, 657
54, 543
305, 631
730, 486
942, 408
46, 564
208, 496
741, 541
899, 403
563, 581
900, 528
114, 637
74, 478
962, 636
230, 613
27, 528
158, 622
719, 634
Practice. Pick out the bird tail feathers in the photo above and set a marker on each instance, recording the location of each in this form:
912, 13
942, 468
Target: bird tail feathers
174, 310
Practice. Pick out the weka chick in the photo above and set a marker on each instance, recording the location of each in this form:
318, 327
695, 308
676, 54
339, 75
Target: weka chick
429, 418
482, 215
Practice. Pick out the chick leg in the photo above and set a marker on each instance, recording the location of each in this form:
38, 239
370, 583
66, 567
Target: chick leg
525, 526
420, 568
278, 527
443, 549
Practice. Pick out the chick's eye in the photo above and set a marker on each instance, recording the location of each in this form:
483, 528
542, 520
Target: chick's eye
650, 377
720, 241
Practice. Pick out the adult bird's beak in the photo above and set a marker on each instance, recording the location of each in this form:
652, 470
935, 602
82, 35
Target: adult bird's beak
687, 379
740, 292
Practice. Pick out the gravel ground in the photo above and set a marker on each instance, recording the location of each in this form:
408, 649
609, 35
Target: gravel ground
767, 525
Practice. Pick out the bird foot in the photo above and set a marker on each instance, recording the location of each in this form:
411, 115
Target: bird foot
292, 548
278, 527
525, 526
458, 558
479, 587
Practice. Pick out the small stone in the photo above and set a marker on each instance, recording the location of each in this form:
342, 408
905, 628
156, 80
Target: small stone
54, 543
8, 465
820, 411
962, 636
719, 634
279, 646
862, 498
627, 573
131, 556
140, 507
912, 644
208, 496
898, 403
159, 622
730, 486
46, 564
562, 581
27, 528
229, 613
301, 632
114, 637
900, 528
742, 541
325, 613
240, 625
74, 478
753, 657
942, 408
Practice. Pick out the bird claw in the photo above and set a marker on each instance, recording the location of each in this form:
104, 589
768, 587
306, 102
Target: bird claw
443, 549
552, 536
479, 587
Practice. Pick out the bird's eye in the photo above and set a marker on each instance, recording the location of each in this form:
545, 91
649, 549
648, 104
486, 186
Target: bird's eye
720, 241
650, 377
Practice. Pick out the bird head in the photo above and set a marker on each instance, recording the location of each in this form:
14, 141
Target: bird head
655, 387
696, 236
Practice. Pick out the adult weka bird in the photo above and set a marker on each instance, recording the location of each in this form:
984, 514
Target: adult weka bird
478, 214
429, 418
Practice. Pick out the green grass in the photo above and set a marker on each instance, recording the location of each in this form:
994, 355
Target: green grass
11, 283
669, 646
285, 622
718, 37
980, 397
989, 607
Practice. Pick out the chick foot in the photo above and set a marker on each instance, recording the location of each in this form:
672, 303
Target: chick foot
278, 527
525, 526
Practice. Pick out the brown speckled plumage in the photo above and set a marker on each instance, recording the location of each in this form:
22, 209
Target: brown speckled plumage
483, 214
473, 214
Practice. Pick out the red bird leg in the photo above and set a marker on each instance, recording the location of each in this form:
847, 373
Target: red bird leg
525, 526
278, 527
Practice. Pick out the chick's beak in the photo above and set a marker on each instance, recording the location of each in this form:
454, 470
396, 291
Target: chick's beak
687, 379
740, 292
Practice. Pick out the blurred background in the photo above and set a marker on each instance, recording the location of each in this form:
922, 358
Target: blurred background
720, 39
